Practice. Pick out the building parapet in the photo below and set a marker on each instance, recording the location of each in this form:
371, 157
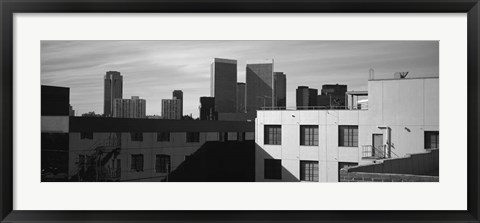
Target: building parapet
363, 107
415, 167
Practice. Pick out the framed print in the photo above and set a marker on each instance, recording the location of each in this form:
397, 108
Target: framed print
239, 111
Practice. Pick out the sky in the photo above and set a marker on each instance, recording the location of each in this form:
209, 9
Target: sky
153, 69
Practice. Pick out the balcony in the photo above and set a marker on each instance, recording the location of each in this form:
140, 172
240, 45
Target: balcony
372, 152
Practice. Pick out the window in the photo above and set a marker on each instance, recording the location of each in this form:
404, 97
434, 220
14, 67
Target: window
348, 135
431, 139
309, 135
273, 169
136, 136
193, 137
86, 135
241, 136
223, 136
309, 171
137, 162
273, 135
162, 164
163, 136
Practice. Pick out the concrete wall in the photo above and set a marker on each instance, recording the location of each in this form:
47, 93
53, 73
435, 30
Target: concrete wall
407, 107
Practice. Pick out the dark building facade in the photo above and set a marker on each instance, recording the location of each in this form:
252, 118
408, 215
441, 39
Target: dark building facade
55, 101
55, 107
306, 97
332, 96
224, 85
113, 88
280, 89
178, 94
241, 97
259, 75
207, 109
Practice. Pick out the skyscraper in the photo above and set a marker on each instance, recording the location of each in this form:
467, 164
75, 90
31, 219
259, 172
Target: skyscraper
224, 85
129, 108
113, 88
171, 108
259, 85
306, 97
241, 97
178, 94
332, 96
207, 108
280, 89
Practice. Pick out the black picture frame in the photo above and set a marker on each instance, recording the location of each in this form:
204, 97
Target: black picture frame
9, 7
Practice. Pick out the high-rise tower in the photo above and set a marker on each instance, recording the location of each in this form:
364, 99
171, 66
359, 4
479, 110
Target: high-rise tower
113, 88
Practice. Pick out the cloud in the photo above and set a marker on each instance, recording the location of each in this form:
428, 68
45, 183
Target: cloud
153, 69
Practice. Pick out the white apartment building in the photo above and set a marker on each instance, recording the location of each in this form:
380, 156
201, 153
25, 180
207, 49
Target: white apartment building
402, 117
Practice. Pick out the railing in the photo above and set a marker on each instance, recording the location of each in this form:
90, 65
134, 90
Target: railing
359, 107
379, 152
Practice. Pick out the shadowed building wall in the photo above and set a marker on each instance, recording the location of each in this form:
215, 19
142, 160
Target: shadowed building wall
178, 94
280, 89
306, 97
259, 77
241, 97
224, 85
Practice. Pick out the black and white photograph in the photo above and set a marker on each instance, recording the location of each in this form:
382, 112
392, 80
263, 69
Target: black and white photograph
239, 111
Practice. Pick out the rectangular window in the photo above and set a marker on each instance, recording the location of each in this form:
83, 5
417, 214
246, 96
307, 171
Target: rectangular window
348, 135
136, 136
162, 164
431, 139
163, 136
309, 135
273, 169
137, 162
272, 135
193, 137
309, 171
86, 135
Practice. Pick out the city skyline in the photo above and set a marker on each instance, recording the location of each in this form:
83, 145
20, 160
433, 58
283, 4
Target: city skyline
153, 69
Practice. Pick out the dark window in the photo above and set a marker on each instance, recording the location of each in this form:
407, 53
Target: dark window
137, 162
309, 135
223, 136
86, 135
273, 169
162, 164
273, 135
136, 136
348, 135
431, 139
163, 136
309, 171
193, 137
241, 136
